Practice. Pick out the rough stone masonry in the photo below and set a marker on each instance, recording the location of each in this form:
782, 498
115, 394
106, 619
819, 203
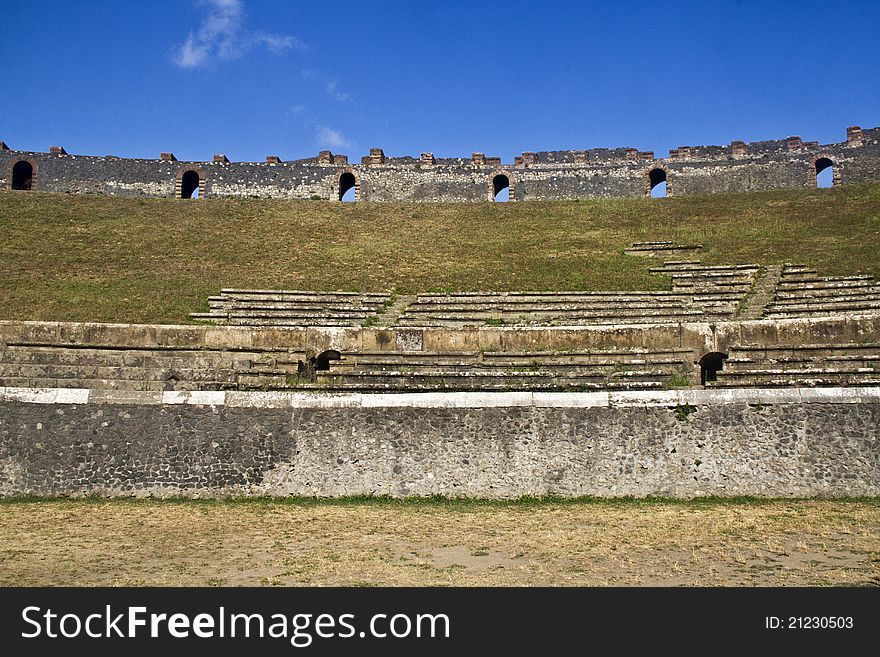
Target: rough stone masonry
686, 443
789, 163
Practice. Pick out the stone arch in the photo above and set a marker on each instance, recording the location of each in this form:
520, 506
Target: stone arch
818, 164
322, 360
346, 180
654, 176
501, 179
188, 181
710, 364
22, 174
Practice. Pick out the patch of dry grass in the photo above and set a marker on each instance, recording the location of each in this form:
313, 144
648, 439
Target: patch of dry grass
97, 258
165, 543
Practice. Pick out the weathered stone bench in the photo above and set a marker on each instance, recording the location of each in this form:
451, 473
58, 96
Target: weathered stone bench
120, 368
486, 380
814, 364
292, 308
780, 377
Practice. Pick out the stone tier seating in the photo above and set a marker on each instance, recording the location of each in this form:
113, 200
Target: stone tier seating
694, 277
653, 249
802, 293
551, 371
804, 365
699, 293
292, 308
40, 365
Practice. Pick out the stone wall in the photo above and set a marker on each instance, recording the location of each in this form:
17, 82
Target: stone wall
699, 337
550, 175
794, 442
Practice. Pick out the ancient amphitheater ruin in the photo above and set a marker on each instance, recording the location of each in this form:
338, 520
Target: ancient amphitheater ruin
737, 379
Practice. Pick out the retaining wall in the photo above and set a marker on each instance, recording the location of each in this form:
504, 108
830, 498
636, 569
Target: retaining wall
792, 442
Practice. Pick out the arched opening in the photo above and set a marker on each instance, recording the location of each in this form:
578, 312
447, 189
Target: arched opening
657, 183
710, 365
824, 172
189, 185
347, 187
306, 368
22, 175
322, 360
500, 188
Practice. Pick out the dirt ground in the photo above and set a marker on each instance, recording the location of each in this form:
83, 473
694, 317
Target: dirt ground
442, 543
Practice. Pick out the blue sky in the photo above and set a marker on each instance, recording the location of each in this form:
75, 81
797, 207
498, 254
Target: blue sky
250, 78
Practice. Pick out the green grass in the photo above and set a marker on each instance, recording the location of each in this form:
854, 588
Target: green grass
97, 258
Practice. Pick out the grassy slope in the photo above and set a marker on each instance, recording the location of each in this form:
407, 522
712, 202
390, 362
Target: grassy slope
155, 260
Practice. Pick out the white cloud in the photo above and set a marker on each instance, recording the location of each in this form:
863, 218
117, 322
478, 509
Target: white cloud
278, 43
331, 88
329, 138
222, 36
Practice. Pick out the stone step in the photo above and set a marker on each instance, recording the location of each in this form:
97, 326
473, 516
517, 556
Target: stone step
773, 370
31, 371
240, 313
570, 309
808, 276
598, 304
133, 358
697, 268
37, 344
792, 379
487, 385
761, 352
599, 353
702, 286
541, 297
283, 306
489, 373
455, 322
293, 322
306, 294
621, 313
793, 267
113, 384
452, 381
860, 364
867, 301
466, 369
842, 294
470, 382
724, 275
825, 284
822, 311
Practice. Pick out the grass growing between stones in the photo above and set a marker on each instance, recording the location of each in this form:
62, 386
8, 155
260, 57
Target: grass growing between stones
96, 258
440, 542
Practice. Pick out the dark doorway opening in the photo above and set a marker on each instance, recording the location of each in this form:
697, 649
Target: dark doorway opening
824, 173
189, 185
500, 188
347, 187
23, 175
657, 182
710, 365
